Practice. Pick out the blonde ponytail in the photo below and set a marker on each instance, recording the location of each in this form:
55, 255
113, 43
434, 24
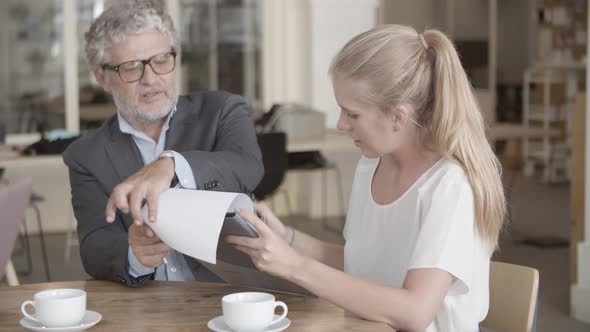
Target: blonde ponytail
458, 131
424, 71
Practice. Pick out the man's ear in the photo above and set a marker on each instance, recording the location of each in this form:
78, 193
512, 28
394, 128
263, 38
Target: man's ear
99, 74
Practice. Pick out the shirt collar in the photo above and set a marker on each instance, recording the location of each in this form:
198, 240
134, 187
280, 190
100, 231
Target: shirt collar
126, 128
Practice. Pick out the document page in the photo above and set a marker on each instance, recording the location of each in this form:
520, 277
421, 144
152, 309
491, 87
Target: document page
194, 222
190, 221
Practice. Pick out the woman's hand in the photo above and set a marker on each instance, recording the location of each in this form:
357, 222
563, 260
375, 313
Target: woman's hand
269, 251
266, 215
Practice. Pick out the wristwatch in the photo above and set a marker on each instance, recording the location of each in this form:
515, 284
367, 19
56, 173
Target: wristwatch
170, 154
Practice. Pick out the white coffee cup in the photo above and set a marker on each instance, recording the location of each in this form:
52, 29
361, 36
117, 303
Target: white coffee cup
57, 307
251, 311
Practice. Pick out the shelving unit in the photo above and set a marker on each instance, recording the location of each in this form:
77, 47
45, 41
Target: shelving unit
548, 96
558, 31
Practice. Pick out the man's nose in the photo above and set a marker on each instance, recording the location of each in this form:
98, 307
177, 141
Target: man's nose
149, 75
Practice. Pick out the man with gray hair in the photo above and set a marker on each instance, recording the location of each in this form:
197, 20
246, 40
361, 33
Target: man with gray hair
156, 140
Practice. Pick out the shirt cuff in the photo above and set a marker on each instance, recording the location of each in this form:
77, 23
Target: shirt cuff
136, 269
184, 172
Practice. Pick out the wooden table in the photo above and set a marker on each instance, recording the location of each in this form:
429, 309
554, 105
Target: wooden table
175, 306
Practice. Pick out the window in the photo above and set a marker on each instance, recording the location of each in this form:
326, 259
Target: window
220, 51
221, 46
32, 65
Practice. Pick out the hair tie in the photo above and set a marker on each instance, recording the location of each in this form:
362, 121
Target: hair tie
424, 43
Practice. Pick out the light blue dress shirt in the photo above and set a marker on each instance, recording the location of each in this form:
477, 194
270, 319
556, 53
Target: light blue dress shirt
177, 268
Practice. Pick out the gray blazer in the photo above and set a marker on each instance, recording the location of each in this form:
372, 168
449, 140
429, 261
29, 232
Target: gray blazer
212, 130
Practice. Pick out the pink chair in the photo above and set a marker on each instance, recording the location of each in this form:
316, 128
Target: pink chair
14, 200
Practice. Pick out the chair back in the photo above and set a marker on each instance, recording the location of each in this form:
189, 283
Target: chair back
274, 158
513, 297
14, 200
2, 133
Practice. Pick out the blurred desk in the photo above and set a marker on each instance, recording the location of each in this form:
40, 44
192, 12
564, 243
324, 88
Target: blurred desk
337, 147
10, 157
332, 140
175, 306
14, 160
97, 112
8, 152
88, 112
505, 131
50, 180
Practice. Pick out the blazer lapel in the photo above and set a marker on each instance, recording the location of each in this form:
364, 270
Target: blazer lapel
123, 153
177, 122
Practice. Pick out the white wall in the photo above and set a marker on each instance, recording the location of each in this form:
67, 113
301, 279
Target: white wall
513, 40
470, 16
417, 13
285, 56
471, 19
51, 181
333, 23
300, 38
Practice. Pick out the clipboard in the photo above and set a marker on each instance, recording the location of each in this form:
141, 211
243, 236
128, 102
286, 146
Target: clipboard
233, 224
196, 222
236, 267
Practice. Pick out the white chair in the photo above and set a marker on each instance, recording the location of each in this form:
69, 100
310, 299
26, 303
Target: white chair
513, 298
14, 200
11, 276
71, 235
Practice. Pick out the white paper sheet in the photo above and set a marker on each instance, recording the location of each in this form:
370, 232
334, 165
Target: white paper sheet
189, 221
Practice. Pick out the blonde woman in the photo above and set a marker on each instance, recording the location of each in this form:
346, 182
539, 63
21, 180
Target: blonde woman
427, 202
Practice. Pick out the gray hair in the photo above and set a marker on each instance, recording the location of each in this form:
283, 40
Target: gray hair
124, 18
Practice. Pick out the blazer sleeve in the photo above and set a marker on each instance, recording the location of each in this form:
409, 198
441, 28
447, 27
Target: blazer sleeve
235, 162
103, 246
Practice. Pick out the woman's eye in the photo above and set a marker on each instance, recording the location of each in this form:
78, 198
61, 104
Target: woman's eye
346, 112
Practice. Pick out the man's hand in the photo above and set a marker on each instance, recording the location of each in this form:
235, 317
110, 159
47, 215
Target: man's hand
147, 247
145, 185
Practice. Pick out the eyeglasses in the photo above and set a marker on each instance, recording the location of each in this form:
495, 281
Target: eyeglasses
132, 71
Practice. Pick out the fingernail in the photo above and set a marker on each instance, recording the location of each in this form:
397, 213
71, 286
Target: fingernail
152, 219
110, 219
137, 222
238, 210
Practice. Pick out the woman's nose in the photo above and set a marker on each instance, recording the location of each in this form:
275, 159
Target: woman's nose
341, 124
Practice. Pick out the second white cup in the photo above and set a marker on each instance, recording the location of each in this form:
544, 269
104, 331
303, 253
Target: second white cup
251, 311
57, 307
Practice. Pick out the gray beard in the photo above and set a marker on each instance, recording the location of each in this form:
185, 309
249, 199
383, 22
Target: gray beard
134, 116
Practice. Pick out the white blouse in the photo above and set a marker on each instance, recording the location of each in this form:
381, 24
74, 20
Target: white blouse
432, 225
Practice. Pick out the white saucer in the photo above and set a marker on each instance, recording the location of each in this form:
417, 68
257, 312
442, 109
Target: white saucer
217, 324
90, 319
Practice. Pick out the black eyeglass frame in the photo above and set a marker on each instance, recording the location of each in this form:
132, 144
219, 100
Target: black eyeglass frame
145, 62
